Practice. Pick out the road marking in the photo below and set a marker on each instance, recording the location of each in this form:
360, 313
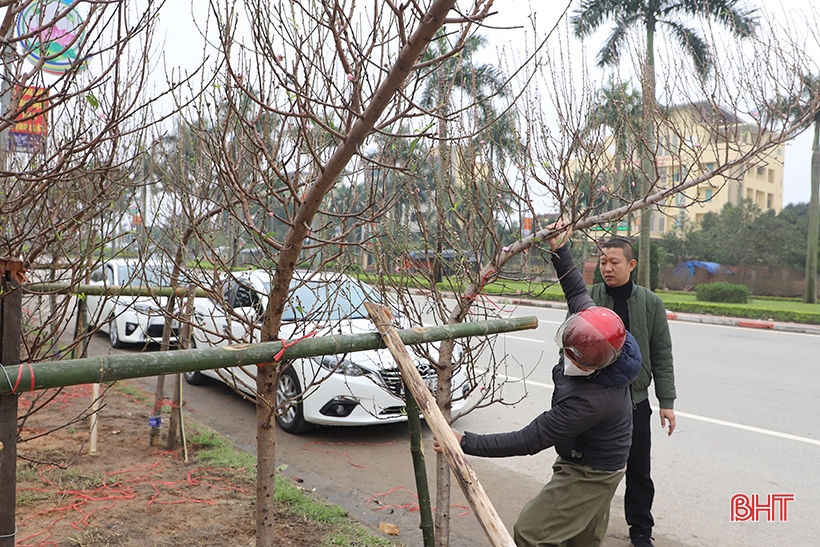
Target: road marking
747, 428
524, 339
528, 382
695, 417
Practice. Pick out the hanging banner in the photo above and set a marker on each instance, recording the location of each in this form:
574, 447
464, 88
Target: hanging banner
31, 124
50, 33
526, 229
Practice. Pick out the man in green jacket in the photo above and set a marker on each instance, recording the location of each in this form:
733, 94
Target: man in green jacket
644, 316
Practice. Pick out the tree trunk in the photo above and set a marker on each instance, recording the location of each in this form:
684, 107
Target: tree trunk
810, 295
444, 400
429, 24
647, 154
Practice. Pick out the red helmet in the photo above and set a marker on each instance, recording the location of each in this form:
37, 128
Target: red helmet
592, 337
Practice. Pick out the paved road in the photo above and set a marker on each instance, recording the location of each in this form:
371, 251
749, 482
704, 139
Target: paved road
746, 425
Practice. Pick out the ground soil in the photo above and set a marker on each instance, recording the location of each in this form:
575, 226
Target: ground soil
130, 493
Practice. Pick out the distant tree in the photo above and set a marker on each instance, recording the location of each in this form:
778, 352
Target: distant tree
798, 107
650, 15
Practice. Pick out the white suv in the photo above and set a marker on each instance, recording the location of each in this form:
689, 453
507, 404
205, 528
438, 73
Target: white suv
130, 319
359, 388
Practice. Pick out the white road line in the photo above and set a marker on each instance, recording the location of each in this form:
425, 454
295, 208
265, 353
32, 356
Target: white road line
529, 382
747, 428
699, 418
522, 338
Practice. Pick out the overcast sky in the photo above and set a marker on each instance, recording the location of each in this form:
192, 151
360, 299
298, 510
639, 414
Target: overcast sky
183, 48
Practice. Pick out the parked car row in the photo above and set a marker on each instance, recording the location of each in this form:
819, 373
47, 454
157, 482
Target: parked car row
129, 319
359, 388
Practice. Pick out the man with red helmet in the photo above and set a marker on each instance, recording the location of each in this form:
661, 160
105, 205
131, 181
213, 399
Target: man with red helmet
589, 424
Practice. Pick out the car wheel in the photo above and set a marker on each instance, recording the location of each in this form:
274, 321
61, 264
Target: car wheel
290, 415
114, 335
196, 378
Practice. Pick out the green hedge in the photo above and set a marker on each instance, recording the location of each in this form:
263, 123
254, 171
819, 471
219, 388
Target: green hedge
722, 291
810, 318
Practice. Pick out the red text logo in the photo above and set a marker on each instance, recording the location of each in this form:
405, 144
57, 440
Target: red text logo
772, 508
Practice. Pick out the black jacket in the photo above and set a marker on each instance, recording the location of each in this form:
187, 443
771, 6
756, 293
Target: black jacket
590, 421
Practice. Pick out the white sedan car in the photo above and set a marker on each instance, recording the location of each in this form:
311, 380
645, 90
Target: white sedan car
130, 319
359, 388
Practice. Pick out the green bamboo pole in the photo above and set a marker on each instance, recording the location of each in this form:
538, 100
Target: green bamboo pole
109, 368
426, 524
113, 290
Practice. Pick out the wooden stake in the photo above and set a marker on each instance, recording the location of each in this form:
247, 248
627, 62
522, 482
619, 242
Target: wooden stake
467, 479
94, 418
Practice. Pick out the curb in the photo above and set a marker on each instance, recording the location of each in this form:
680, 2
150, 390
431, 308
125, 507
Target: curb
689, 318
756, 324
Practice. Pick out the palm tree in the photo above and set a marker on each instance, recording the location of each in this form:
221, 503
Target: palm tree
480, 82
796, 108
650, 15
618, 107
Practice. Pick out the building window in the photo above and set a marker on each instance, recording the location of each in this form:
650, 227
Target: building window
710, 166
676, 176
771, 175
760, 172
709, 194
661, 224
769, 201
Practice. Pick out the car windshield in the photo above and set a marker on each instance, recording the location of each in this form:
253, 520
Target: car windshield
143, 275
327, 300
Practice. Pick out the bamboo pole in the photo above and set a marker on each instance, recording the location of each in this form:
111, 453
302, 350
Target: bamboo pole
11, 306
111, 290
467, 479
420, 469
110, 368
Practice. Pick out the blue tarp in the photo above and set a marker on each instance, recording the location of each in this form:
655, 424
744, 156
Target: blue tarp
688, 268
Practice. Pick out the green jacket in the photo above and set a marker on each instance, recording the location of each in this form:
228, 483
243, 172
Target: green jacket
648, 324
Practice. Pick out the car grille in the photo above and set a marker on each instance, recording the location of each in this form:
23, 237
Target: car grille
155, 331
392, 377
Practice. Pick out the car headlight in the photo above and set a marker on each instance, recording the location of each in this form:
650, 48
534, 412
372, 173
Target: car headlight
340, 365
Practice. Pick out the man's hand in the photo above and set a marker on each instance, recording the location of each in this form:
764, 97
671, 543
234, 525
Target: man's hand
560, 239
436, 446
668, 414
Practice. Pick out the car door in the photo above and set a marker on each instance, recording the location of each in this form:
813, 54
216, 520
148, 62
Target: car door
95, 304
108, 302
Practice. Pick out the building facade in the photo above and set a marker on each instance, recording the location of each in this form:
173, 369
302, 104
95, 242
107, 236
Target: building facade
692, 141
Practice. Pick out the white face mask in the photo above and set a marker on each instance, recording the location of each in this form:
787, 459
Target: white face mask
571, 370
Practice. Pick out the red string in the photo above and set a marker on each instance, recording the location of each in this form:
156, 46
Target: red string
412, 507
286, 345
116, 487
19, 376
349, 459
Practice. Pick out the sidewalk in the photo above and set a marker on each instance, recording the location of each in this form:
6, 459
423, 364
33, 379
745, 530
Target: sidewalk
688, 317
